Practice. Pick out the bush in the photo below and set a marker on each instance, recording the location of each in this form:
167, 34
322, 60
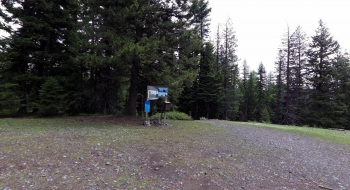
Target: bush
174, 115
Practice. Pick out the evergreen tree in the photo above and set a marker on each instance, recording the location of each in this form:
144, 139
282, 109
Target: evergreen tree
280, 69
200, 11
209, 88
102, 37
297, 74
230, 71
321, 51
289, 61
261, 94
51, 98
217, 48
251, 96
40, 47
265, 116
340, 91
9, 100
271, 96
243, 110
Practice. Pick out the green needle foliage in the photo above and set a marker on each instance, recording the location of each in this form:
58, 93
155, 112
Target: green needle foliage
51, 98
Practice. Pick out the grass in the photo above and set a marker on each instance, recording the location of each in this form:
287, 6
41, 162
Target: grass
72, 152
104, 152
341, 137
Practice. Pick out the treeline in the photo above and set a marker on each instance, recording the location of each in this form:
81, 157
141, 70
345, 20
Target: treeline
310, 84
90, 56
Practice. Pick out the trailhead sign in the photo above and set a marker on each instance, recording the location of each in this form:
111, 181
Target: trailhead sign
156, 92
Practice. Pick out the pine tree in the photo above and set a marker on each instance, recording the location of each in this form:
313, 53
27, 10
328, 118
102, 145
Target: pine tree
155, 29
40, 47
9, 100
271, 96
261, 94
200, 11
280, 69
230, 71
289, 61
265, 116
243, 110
321, 51
51, 98
251, 96
297, 77
340, 91
210, 89
102, 37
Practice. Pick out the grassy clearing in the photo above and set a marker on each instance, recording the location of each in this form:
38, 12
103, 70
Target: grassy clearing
341, 137
98, 152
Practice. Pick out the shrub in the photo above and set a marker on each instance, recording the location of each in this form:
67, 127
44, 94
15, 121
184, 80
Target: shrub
174, 115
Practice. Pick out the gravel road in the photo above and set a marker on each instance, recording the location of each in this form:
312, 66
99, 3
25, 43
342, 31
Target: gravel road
271, 159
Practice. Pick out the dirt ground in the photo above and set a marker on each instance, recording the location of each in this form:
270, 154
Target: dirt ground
119, 153
282, 160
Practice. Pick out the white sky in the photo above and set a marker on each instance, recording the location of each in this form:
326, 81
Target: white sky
261, 24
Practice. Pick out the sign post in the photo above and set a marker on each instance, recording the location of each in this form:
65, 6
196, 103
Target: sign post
154, 93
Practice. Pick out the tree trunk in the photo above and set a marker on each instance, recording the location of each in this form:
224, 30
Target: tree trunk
130, 108
23, 107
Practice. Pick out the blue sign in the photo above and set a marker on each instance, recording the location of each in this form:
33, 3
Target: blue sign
147, 106
155, 92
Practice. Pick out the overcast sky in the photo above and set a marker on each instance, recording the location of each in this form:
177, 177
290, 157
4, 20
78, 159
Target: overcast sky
260, 24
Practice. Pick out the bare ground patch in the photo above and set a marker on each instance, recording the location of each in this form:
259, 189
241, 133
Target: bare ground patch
119, 153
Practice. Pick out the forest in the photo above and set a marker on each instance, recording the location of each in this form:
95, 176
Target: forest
70, 57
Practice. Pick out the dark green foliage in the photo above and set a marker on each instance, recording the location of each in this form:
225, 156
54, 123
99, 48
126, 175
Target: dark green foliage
175, 115
265, 116
340, 91
200, 11
228, 64
251, 96
51, 98
209, 87
271, 96
243, 87
39, 48
104, 53
261, 93
323, 106
8, 97
157, 30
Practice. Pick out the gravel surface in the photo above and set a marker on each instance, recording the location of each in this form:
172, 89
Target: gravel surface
272, 159
118, 153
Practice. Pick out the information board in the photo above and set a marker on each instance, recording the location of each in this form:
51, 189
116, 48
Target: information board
156, 92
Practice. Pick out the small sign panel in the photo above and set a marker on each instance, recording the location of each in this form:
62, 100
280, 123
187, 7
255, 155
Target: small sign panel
163, 92
147, 106
156, 92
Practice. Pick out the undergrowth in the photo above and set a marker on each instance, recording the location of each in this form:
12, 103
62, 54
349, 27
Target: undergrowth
173, 115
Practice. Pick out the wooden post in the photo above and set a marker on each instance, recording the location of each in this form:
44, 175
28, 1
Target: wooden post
164, 118
165, 101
